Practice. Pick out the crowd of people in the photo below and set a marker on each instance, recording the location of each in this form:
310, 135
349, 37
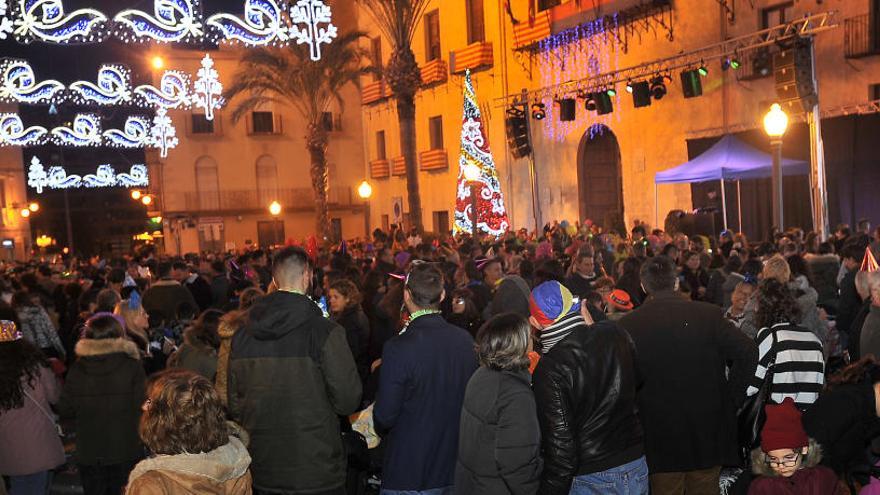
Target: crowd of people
569, 360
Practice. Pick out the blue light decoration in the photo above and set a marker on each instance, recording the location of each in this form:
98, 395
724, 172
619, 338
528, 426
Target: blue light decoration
208, 91
173, 91
105, 176
306, 18
113, 87
84, 131
261, 25
172, 21
134, 134
18, 84
14, 133
45, 20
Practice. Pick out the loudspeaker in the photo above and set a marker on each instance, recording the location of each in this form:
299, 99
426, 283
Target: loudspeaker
517, 133
641, 92
603, 103
793, 71
691, 85
567, 109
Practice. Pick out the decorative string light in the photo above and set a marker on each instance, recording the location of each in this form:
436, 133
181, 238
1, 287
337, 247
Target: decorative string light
173, 91
6, 25
44, 20
162, 133
18, 84
208, 90
306, 18
105, 176
85, 131
261, 25
134, 134
172, 21
13, 132
113, 87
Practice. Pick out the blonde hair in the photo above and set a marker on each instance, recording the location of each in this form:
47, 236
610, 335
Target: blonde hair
777, 268
128, 315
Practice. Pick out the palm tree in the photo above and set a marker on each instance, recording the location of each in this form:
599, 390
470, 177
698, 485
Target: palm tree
287, 75
397, 19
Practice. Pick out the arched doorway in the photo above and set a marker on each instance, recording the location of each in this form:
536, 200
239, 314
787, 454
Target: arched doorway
600, 185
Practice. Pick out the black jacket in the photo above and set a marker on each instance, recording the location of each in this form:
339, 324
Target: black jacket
585, 388
499, 438
849, 304
357, 333
201, 292
687, 406
104, 392
290, 374
166, 299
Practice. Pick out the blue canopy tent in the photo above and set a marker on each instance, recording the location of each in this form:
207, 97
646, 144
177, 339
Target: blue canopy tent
728, 159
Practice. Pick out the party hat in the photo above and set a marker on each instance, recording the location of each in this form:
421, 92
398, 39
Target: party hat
869, 264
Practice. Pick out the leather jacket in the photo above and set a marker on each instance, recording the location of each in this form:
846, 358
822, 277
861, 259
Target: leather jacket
585, 390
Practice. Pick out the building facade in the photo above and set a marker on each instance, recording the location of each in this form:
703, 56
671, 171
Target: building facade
602, 167
15, 230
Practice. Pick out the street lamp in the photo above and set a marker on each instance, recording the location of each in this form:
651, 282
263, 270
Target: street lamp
147, 200
34, 207
25, 212
136, 195
157, 62
275, 210
472, 176
775, 124
365, 191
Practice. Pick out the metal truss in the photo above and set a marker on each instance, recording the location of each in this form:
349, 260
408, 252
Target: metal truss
779, 35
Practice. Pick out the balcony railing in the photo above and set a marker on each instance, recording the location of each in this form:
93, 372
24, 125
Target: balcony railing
244, 201
860, 37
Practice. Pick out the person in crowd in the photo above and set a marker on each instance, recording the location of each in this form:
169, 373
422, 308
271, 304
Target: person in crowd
741, 296
194, 283
799, 365
863, 289
424, 374
618, 304
291, 374
137, 322
585, 389
345, 309
167, 298
787, 462
219, 285
694, 276
29, 444
231, 323
36, 326
464, 312
695, 366
846, 417
869, 333
850, 302
630, 281
723, 281
510, 293
582, 275
825, 265
193, 448
201, 341
107, 300
104, 391
499, 437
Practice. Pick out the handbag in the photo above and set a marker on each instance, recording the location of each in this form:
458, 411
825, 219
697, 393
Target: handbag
50, 417
751, 415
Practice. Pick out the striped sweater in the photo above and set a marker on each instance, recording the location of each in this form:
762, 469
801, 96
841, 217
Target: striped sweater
799, 369
551, 335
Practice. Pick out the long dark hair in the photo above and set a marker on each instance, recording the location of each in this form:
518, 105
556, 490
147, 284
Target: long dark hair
205, 328
776, 304
20, 363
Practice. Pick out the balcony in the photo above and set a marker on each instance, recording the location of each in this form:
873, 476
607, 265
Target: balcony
375, 92
860, 37
531, 31
380, 169
434, 72
473, 57
433, 160
398, 166
299, 199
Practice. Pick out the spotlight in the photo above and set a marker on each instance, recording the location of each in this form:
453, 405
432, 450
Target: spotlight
567, 109
641, 92
731, 63
734, 63
590, 102
517, 127
611, 91
629, 87
658, 88
539, 111
603, 103
703, 70
691, 85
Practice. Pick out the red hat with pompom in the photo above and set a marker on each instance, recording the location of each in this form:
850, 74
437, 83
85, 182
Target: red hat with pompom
783, 428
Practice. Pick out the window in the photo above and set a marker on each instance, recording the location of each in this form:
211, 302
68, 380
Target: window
776, 15
270, 233
432, 35
386, 223
435, 130
201, 125
380, 146
207, 184
547, 4
376, 56
476, 29
263, 122
267, 180
441, 222
874, 92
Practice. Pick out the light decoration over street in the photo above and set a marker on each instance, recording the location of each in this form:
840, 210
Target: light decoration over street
6, 24
162, 133
84, 131
113, 87
45, 20
14, 133
306, 18
105, 176
208, 91
172, 21
18, 84
261, 25
134, 134
173, 91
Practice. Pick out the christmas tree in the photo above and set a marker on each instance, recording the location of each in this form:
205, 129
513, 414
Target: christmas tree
491, 214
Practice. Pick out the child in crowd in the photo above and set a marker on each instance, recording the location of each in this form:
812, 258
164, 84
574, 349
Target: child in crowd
618, 304
737, 310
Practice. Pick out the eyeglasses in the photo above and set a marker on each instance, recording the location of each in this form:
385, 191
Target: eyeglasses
787, 461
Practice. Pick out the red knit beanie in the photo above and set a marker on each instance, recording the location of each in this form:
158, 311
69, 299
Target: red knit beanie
783, 428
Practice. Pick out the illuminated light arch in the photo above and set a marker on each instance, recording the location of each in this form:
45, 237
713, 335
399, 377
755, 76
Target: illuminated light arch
105, 176
261, 25
134, 134
45, 20
84, 131
173, 91
14, 133
113, 87
18, 84
172, 21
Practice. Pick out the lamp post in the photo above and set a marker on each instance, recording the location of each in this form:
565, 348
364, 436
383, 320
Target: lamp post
275, 210
365, 191
775, 124
472, 176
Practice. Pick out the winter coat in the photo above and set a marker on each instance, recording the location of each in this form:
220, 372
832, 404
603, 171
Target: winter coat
810, 479
585, 388
425, 372
291, 374
195, 356
104, 392
166, 298
687, 403
869, 338
37, 328
843, 420
227, 328
357, 333
29, 442
222, 471
806, 299
849, 303
824, 269
200, 290
499, 441
854, 346
873, 487
219, 291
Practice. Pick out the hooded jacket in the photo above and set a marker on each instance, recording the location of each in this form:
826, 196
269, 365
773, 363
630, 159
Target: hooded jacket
810, 479
291, 374
222, 471
104, 391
